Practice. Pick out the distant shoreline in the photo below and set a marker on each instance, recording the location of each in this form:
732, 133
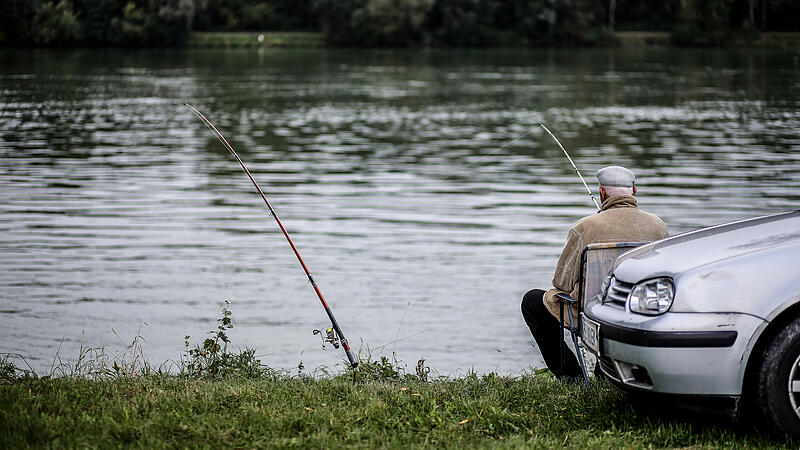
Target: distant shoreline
780, 40
622, 39
256, 39
313, 39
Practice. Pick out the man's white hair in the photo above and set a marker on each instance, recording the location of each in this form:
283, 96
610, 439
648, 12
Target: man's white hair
617, 190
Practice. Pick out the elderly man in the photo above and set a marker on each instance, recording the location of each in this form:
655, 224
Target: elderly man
619, 220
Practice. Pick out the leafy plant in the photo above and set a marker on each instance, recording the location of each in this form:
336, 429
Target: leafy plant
385, 369
211, 359
381, 370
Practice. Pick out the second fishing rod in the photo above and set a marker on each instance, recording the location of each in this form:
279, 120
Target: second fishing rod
591, 195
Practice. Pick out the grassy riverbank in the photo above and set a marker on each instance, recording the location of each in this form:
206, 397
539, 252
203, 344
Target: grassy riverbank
256, 39
784, 41
625, 39
270, 411
215, 398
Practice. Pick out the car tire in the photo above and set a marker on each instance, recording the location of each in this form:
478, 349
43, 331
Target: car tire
778, 381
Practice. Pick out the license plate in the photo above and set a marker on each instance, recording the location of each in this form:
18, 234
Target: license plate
591, 335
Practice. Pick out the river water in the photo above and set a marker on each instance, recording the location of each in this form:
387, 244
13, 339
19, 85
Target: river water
385, 167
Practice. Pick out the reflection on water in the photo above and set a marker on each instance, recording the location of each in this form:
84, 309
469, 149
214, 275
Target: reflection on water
383, 166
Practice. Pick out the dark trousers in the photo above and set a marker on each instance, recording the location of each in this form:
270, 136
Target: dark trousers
546, 330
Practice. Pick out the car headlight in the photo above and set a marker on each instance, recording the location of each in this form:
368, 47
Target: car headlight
652, 297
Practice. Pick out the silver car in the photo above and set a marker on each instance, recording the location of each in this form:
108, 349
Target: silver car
707, 319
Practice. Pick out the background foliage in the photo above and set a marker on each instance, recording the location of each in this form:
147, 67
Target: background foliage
96, 22
25, 23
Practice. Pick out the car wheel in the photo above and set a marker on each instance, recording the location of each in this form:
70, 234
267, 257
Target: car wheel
778, 389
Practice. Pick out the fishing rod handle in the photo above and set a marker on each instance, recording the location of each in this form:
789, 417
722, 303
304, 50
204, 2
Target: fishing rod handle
350, 356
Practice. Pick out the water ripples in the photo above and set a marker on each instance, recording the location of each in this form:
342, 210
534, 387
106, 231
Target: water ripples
386, 168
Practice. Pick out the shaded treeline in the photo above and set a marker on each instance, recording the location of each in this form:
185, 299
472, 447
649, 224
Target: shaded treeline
64, 23
390, 22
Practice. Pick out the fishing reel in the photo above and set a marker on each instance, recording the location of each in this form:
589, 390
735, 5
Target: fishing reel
328, 336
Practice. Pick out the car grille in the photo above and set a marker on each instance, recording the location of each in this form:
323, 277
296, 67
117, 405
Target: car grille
618, 291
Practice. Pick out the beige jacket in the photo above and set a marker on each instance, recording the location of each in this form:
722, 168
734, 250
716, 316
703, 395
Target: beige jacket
619, 220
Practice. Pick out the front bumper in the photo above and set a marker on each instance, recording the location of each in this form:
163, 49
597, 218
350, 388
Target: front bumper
674, 353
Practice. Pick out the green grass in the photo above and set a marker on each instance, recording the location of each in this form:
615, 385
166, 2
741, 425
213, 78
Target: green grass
251, 39
642, 38
302, 39
785, 41
219, 398
277, 410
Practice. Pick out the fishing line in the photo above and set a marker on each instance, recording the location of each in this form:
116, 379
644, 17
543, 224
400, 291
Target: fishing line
398, 340
396, 336
148, 133
499, 149
512, 359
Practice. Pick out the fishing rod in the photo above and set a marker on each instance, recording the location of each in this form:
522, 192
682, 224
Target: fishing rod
334, 323
573, 166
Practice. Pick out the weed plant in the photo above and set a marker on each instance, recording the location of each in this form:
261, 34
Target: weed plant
212, 359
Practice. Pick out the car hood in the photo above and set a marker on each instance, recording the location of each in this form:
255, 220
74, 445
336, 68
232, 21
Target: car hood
684, 252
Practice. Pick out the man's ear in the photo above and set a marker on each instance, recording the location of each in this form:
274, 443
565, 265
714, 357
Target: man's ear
602, 191
634, 189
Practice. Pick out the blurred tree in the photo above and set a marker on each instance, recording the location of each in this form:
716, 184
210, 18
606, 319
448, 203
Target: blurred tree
704, 22
137, 22
781, 15
461, 23
335, 21
15, 29
392, 22
775, 15
646, 15
257, 16
573, 22
612, 11
131, 28
174, 21
96, 17
296, 14
223, 14
267, 15
55, 24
